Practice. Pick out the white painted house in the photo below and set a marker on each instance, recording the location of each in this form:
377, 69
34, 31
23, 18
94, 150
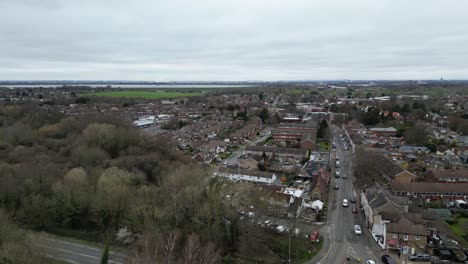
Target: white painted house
235, 174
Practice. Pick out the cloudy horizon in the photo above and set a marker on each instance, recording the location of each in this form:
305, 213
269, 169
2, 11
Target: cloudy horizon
233, 40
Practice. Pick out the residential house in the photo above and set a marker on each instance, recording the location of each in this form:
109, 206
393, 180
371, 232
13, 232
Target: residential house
415, 150
285, 205
384, 131
308, 141
320, 185
430, 190
247, 175
447, 176
250, 163
278, 153
301, 133
406, 230
317, 161
393, 172
462, 141
204, 157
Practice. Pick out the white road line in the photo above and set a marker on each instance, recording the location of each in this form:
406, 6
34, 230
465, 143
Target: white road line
370, 253
76, 253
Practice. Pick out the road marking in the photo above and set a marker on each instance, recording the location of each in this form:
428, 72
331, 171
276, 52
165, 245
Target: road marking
370, 252
332, 228
351, 252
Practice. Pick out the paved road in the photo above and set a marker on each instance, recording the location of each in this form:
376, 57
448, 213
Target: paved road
340, 240
76, 253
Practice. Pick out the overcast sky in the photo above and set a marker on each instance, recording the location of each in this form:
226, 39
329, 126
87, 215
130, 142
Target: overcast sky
233, 40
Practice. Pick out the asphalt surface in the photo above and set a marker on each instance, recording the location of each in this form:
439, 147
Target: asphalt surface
76, 253
340, 241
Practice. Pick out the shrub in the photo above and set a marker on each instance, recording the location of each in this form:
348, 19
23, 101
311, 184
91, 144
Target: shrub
451, 221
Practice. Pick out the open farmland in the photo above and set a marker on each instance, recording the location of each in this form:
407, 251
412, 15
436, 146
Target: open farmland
142, 94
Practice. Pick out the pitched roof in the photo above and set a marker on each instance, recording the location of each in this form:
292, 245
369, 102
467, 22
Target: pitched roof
403, 225
429, 187
383, 129
262, 174
413, 149
450, 173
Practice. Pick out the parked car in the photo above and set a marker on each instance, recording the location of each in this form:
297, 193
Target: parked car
267, 222
345, 203
420, 257
386, 259
357, 230
352, 199
281, 229
370, 262
337, 187
354, 210
314, 236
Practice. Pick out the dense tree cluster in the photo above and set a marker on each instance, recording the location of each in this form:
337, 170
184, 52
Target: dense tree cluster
94, 175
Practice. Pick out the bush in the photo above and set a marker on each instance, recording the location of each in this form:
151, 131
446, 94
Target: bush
451, 221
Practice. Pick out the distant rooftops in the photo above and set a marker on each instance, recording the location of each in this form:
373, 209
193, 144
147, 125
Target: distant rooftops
383, 129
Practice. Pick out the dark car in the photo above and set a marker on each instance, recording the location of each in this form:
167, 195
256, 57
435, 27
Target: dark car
354, 210
420, 257
352, 199
386, 259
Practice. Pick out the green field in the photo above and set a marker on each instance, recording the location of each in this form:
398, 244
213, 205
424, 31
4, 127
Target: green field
141, 94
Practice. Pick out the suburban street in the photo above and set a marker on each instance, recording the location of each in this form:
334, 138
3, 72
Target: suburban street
75, 253
340, 239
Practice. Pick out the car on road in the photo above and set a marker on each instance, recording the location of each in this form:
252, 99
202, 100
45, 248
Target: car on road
337, 187
267, 222
314, 236
370, 262
345, 203
386, 259
352, 199
420, 257
337, 164
357, 230
225, 163
354, 210
337, 173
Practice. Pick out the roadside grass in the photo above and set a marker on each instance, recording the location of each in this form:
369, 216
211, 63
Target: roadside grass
141, 94
301, 249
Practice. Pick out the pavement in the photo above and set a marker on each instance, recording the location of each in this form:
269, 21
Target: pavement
340, 242
76, 253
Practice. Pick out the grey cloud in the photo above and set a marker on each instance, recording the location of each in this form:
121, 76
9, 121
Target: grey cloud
233, 40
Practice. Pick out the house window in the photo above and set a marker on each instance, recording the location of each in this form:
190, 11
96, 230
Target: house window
394, 235
417, 238
405, 237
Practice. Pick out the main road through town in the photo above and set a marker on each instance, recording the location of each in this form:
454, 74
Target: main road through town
340, 240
